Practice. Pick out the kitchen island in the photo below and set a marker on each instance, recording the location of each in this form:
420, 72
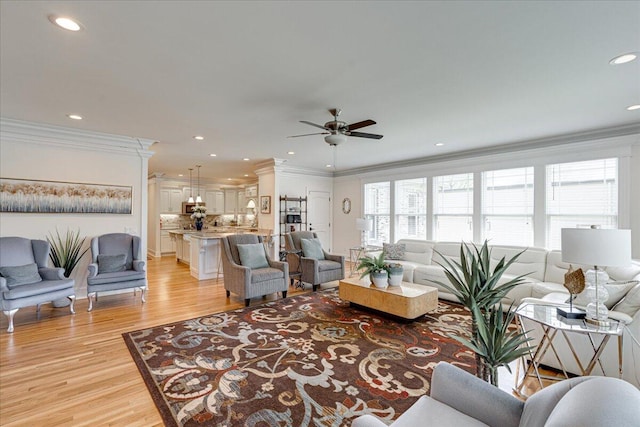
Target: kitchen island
202, 251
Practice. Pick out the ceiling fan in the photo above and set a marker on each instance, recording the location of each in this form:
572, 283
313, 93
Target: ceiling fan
338, 131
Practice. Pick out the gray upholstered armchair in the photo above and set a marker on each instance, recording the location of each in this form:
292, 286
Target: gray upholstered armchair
116, 263
248, 269
461, 399
26, 280
317, 266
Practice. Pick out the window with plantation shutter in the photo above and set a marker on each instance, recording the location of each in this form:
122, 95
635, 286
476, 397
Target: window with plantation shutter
411, 209
507, 206
453, 207
580, 194
377, 206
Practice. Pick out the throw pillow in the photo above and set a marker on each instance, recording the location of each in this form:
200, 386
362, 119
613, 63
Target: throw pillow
312, 248
20, 275
252, 255
111, 263
617, 290
394, 251
630, 304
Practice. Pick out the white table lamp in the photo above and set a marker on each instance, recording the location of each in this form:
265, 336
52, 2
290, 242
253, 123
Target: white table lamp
364, 225
600, 248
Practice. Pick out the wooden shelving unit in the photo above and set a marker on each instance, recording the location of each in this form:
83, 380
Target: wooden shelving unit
293, 215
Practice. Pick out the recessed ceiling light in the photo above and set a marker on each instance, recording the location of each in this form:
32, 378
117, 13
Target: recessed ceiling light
633, 107
212, 155
180, 174
246, 159
291, 152
623, 59
74, 116
64, 22
198, 137
246, 174
439, 144
229, 179
327, 166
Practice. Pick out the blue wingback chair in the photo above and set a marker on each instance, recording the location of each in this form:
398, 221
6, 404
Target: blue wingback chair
116, 263
25, 279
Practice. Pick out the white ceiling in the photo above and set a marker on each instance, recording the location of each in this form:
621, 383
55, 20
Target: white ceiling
243, 74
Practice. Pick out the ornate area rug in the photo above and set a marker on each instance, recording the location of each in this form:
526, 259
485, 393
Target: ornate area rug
310, 360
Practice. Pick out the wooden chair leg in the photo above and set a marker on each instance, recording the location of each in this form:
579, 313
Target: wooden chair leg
246, 302
284, 294
228, 294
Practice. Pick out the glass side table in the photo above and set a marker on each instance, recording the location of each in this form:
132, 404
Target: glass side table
547, 318
357, 252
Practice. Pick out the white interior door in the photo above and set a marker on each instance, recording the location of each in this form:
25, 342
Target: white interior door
319, 216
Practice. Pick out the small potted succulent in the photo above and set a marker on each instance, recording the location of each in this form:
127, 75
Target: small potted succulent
376, 268
395, 274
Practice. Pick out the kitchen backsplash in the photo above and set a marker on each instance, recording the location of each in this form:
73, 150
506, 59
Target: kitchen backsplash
181, 222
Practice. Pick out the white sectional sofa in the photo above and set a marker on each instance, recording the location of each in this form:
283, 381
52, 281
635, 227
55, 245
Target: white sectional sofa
544, 280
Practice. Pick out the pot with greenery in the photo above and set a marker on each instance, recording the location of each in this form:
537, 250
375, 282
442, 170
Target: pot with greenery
66, 253
376, 268
476, 286
395, 274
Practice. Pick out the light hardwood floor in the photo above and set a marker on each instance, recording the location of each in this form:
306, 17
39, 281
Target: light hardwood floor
59, 369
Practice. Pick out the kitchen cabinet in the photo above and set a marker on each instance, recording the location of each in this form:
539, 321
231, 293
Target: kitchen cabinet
214, 200
186, 249
167, 244
170, 201
230, 201
241, 204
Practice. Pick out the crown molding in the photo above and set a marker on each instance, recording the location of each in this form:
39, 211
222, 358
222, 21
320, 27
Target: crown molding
44, 134
549, 144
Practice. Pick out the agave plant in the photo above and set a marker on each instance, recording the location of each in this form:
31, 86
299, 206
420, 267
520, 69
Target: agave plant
496, 342
476, 286
372, 264
66, 252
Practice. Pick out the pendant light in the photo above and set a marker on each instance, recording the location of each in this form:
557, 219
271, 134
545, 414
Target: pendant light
190, 188
198, 198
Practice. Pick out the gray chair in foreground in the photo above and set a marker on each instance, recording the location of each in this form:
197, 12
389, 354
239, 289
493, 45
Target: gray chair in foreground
116, 263
249, 281
460, 399
315, 269
25, 279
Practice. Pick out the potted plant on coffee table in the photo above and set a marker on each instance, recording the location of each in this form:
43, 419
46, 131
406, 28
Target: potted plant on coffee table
395, 274
376, 268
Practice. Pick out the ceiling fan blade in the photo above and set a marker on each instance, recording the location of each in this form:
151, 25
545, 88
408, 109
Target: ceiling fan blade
364, 135
358, 125
309, 134
313, 124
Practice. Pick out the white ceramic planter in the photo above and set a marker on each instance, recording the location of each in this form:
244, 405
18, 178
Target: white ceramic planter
380, 280
395, 279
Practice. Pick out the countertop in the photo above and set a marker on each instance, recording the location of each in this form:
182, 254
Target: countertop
212, 233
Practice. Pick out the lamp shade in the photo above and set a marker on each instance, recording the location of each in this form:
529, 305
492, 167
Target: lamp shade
364, 224
593, 246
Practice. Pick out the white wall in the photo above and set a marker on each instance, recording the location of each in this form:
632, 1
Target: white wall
42, 152
626, 148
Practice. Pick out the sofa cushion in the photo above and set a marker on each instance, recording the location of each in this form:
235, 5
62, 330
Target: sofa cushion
394, 251
617, 291
20, 275
111, 263
630, 304
264, 274
530, 263
39, 288
327, 265
118, 276
419, 251
540, 289
630, 272
438, 414
450, 250
252, 255
312, 248
556, 268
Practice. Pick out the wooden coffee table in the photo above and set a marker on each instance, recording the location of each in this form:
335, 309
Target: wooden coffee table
408, 301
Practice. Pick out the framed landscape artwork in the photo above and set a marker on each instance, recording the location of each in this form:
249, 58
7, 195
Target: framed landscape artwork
33, 196
265, 204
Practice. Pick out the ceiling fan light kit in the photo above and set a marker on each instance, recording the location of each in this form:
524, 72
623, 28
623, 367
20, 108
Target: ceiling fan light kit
338, 131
